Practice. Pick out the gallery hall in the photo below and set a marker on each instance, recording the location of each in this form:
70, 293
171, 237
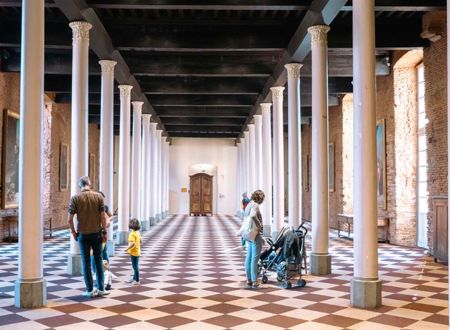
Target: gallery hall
224, 164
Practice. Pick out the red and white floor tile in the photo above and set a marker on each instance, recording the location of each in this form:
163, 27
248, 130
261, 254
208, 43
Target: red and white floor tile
193, 278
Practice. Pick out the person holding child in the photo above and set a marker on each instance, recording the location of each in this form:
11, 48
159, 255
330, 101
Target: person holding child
134, 249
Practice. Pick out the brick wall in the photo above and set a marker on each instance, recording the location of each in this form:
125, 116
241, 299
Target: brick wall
56, 130
435, 59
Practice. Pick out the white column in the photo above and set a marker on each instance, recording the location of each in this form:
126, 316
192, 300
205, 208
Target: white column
154, 174
163, 176
158, 176
79, 126
278, 161
267, 167
124, 165
294, 144
247, 163
258, 151
239, 177
30, 286
106, 175
252, 155
136, 178
320, 259
166, 180
145, 175
365, 289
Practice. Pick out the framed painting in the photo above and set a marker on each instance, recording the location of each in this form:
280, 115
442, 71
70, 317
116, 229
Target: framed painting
64, 167
92, 169
10, 160
306, 174
331, 167
381, 163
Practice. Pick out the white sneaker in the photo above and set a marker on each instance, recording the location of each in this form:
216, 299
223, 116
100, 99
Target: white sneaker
90, 294
131, 280
102, 293
135, 283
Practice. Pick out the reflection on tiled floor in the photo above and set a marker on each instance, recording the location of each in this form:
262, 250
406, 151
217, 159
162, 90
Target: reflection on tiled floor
192, 275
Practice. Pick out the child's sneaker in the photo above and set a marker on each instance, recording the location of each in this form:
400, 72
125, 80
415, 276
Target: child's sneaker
135, 283
131, 280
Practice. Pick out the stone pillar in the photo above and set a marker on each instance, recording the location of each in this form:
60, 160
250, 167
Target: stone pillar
320, 259
247, 163
136, 178
145, 173
163, 176
158, 175
258, 151
153, 175
124, 165
448, 125
267, 167
365, 291
294, 145
238, 177
79, 126
278, 161
106, 175
30, 289
166, 175
252, 157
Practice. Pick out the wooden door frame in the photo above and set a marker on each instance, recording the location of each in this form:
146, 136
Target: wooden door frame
191, 177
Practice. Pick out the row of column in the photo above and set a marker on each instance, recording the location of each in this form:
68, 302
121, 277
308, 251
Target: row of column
365, 286
143, 164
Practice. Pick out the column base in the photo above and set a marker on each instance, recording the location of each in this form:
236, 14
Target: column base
319, 264
122, 238
74, 266
365, 293
144, 225
152, 221
110, 248
266, 230
158, 218
30, 293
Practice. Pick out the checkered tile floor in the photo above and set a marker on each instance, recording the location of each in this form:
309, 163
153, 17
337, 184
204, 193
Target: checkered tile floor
192, 278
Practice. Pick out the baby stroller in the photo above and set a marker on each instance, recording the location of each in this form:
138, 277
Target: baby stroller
286, 256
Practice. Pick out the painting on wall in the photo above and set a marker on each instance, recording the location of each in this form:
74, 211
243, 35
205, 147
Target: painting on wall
10, 160
306, 174
64, 167
381, 163
331, 167
92, 169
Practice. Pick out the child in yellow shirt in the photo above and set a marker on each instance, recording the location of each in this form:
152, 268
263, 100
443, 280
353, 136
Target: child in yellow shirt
134, 249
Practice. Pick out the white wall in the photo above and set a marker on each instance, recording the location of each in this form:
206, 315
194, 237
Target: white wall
187, 152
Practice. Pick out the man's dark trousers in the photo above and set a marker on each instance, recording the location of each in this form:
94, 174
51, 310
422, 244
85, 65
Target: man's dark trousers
94, 241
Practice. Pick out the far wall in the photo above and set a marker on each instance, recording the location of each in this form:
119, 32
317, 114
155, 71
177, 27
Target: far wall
187, 152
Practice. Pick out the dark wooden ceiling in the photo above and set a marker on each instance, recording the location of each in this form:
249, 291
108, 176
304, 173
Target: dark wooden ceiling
202, 67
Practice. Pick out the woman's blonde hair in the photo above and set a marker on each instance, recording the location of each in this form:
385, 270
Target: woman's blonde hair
258, 196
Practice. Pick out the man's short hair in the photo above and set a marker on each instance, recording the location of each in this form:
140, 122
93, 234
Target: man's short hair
84, 181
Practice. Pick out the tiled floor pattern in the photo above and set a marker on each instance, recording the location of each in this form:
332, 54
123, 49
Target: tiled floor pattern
192, 278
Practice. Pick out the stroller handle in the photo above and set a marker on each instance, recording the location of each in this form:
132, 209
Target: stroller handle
302, 228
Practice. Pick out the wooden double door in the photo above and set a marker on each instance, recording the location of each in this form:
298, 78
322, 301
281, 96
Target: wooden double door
201, 194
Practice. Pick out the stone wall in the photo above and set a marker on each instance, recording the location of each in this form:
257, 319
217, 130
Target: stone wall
435, 69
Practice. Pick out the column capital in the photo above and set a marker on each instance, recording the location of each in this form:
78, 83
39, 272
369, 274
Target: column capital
246, 133
277, 92
257, 116
80, 30
107, 66
265, 106
293, 70
319, 34
146, 118
125, 90
137, 106
153, 125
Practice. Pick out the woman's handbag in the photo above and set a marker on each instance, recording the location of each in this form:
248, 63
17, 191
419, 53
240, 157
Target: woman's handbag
249, 230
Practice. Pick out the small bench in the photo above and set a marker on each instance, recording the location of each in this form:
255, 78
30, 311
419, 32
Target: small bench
383, 222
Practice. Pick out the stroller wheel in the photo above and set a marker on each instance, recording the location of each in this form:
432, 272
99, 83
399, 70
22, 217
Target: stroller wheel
301, 283
279, 278
287, 285
265, 279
